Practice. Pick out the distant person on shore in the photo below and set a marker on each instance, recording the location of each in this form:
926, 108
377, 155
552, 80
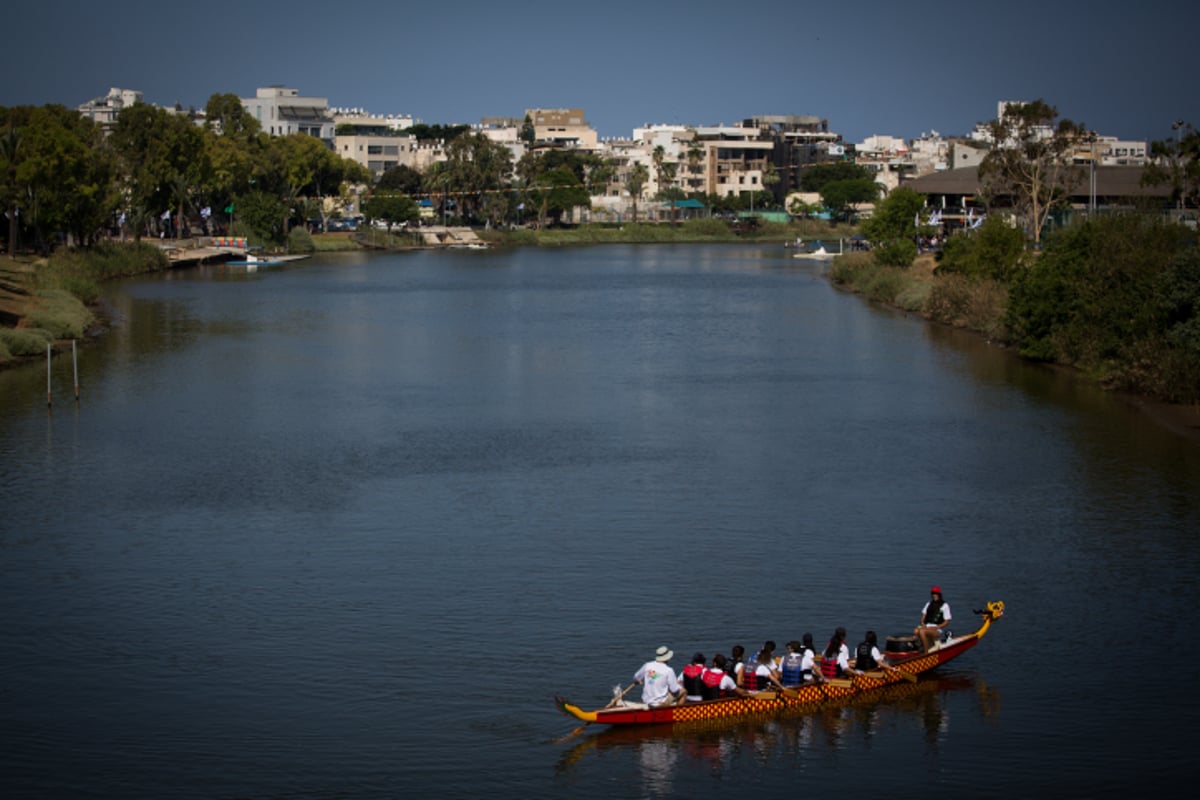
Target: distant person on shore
934, 617
658, 679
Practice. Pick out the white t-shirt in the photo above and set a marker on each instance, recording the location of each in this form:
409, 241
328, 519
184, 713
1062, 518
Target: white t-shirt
658, 682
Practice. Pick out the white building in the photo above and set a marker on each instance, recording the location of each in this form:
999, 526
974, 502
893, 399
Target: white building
282, 111
104, 110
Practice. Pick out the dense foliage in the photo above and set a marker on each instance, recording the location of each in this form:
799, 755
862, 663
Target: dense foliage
155, 172
893, 227
993, 250
1118, 297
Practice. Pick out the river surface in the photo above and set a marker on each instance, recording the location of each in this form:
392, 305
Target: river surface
345, 528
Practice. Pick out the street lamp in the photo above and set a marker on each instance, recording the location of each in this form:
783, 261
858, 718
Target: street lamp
1178, 126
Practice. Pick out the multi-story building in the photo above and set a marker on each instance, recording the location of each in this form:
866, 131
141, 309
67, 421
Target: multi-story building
104, 110
562, 127
282, 111
372, 141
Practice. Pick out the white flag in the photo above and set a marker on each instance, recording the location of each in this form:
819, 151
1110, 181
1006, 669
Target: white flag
166, 214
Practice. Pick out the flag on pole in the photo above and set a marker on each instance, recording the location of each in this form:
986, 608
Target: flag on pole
166, 214
121, 221
229, 208
206, 212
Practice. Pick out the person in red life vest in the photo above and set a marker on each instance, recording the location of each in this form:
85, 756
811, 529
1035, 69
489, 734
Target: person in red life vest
761, 674
689, 678
934, 617
716, 682
867, 657
836, 658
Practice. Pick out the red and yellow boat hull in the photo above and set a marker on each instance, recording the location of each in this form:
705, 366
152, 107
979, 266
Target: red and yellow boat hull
813, 694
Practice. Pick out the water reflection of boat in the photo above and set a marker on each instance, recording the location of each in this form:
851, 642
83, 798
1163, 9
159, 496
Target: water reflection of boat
713, 740
807, 697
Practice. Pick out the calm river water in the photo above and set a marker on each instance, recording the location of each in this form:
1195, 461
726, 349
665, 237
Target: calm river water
345, 528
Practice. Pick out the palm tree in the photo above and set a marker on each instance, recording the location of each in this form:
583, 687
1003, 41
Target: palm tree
635, 183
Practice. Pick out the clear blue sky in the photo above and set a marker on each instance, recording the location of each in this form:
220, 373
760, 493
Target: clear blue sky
1126, 69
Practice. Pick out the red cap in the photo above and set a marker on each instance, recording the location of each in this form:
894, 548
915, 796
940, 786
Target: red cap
937, 589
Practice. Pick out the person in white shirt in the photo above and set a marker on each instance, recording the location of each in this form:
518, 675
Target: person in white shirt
658, 679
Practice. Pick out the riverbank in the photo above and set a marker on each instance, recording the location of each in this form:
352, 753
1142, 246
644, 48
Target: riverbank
976, 306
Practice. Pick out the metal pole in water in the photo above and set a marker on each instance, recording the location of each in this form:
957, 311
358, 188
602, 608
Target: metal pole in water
75, 364
49, 401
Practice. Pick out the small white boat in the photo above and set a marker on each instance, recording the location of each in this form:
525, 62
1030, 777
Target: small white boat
820, 254
252, 262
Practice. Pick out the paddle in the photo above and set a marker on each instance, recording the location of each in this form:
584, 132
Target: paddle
616, 699
908, 676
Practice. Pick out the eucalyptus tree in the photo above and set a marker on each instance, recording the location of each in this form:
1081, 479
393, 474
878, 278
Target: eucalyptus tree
1176, 162
1030, 161
476, 167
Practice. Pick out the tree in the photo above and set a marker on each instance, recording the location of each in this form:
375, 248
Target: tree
635, 183
893, 227
527, 131
400, 178
155, 148
813, 178
57, 171
1030, 161
475, 166
392, 208
840, 196
10, 152
558, 191
224, 114
1176, 162
444, 133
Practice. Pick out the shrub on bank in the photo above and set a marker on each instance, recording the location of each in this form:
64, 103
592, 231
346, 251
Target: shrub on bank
24, 342
61, 314
995, 250
978, 305
300, 241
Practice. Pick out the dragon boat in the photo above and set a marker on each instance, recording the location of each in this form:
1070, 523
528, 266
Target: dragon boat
810, 694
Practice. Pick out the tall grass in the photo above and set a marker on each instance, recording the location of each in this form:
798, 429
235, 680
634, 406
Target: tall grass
80, 272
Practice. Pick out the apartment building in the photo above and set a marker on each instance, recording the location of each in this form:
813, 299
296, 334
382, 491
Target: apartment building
282, 111
562, 127
104, 110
